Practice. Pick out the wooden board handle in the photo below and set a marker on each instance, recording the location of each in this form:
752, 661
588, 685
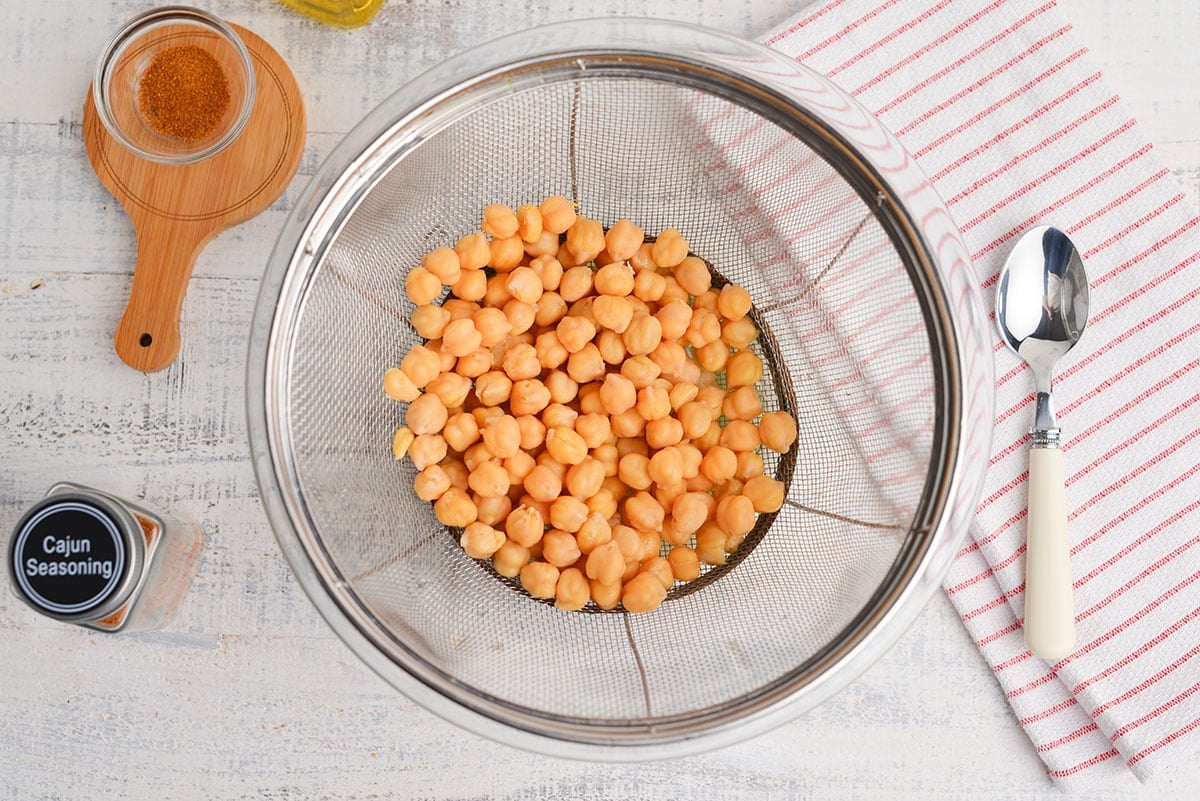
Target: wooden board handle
147, 338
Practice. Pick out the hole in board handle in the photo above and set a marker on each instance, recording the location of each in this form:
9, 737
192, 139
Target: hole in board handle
144, 340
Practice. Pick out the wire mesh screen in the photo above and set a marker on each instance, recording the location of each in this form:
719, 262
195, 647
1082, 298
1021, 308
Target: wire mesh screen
845, 343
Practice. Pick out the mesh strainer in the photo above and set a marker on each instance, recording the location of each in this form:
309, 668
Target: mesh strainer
874, 338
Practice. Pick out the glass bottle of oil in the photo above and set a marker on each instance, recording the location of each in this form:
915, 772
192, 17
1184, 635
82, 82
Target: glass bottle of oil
339, 13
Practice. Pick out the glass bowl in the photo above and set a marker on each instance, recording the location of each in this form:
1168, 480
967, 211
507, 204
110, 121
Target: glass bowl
117, 83
872, 331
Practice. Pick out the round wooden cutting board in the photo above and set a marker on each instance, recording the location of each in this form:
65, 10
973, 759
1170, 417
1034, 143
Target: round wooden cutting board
177, 209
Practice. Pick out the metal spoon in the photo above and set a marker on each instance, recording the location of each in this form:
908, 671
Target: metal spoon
1041, 309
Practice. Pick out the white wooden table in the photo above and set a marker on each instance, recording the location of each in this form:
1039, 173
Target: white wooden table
247, 693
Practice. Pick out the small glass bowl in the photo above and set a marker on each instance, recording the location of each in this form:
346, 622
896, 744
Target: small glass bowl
119, 71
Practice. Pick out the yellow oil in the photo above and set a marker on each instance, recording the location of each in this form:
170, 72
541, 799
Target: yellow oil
339, 13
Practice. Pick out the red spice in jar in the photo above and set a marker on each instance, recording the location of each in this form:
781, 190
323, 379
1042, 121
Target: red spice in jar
184, 93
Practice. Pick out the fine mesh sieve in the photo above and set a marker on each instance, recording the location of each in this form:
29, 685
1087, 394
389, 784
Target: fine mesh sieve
872, 336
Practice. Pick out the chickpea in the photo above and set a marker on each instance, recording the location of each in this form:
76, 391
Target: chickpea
427, 449
589, 398
429, 320
713, 356
643, 335
669, 249
612, 312
457, 471
698, 483
543, 484
544, 245
674, 318
653, 403
765, 493
633, 444
670, 357
633, 470
461, 337
585, 239
693, 275
502, 436
629, 543
727, 488
666, 494
461, 431
749, 465
472, 285
707, 301
594, 428
605, 454
431, 483
605, 596
738, 334
576, 283
558, 214
550, 309
689, 511
533, 432
496, 292
684, 563
643, 593
691, 459
474, 364
623, 239
664, 433
480, 540
660, 568
521, 362
520, 316
665, 467
493, 388
642, 371
688, 373
568, 513
529, 396
575, 332
426, 415
734, 302
614, 280
642, 260
703, 329
499, 221
452, 389
719, 464
735, 515
682, 394
778, 431
562, 388
558, 415
524, 285
713, 397
444, 265
709, 438
525, 525
505, 254
473, 251
519, 465
605, 563
559, 547
539, 579
740, 435
510, 558
649, 286
402, 440
611, 347
529, 223
594, 532
643, 511
550, 352
744, 369
571, 593
488, 479
565, 445
617, 394
421, 365
492, 511
422, 286
604, 502
628, 424
399, 386
710, 544
549, 270
455, 508
492, 326
742, 404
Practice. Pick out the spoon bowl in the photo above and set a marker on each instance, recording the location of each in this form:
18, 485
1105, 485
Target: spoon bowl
1041, 310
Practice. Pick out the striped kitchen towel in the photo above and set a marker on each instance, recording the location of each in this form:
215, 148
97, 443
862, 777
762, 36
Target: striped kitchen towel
998, 103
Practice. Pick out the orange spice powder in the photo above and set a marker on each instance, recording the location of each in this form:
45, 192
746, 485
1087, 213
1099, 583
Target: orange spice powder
184, 93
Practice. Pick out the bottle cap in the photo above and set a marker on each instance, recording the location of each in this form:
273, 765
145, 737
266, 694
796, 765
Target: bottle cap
76, 556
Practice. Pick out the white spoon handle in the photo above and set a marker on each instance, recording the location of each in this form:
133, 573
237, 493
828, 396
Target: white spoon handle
1049, 607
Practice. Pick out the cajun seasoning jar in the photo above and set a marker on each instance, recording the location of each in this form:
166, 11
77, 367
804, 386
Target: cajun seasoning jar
83, 556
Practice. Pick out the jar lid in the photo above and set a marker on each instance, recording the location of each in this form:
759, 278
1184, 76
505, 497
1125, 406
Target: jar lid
76, 556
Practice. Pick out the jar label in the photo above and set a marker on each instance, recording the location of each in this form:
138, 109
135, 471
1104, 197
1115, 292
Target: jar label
69, 557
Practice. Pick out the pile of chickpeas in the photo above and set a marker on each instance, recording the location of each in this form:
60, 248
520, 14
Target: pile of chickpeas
584, 406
